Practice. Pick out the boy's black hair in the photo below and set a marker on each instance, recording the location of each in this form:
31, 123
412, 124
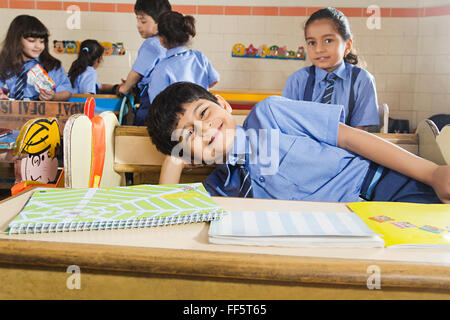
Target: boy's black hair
341, 24
166, 109
153, 8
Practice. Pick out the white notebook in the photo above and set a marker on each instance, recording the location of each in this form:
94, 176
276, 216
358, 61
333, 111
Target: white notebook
294, 229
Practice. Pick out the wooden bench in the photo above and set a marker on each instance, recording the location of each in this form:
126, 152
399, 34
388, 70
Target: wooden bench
135, 153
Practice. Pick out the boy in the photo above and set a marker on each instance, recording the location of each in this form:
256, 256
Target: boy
311, 154
147, 15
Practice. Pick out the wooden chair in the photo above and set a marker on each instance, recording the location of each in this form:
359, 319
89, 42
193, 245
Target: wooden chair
434, 145
383, 113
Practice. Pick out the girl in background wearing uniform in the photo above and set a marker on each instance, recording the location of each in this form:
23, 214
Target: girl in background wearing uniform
83, 75
25, 45
180, 63
334, 77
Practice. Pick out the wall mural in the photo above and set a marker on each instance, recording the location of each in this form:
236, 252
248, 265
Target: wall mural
73, 47
273, 52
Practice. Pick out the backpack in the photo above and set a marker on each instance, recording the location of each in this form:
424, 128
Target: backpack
307, 96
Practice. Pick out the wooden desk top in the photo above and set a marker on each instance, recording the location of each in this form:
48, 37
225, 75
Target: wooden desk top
184, 250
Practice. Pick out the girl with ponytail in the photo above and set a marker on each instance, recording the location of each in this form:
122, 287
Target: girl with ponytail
180, 63
83, 75
334, 77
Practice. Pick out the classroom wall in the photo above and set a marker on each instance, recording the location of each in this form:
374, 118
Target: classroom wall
409, 55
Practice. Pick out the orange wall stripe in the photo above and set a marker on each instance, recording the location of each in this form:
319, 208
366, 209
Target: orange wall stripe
437, 11
185, 9
443, 10
213, 10
49, 5
84, 6
265, 11
19, 4
238, 10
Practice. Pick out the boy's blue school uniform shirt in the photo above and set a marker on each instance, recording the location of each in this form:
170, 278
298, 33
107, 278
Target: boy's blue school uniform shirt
365, 112
87, 82
58, 76
304, 162
150, 52
181, 64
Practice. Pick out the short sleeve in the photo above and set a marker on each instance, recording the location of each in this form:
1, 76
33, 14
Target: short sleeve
365, 112
213, 75
316, 120
148, 55
88, 82
295, 85
61, 80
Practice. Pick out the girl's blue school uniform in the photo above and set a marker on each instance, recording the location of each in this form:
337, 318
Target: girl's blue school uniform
180, 64
291, 152
365, 111
58, 76
87, 82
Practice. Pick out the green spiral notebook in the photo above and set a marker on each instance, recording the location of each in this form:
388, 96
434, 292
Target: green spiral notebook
61, 210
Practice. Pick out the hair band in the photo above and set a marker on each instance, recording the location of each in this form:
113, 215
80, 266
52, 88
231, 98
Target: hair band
85, 49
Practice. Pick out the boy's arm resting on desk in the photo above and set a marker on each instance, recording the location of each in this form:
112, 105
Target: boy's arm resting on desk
393, 157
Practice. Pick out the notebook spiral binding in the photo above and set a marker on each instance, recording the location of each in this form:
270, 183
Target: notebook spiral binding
113, 224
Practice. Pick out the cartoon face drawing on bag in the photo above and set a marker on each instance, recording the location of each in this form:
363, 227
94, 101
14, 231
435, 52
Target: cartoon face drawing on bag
39, 142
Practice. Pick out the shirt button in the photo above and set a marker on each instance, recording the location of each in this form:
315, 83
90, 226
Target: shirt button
261, 179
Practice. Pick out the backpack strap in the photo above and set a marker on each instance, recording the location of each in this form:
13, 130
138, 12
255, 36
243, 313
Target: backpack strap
309, 88
351, 100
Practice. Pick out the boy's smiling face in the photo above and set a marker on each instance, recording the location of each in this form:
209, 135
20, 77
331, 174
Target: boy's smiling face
207, 130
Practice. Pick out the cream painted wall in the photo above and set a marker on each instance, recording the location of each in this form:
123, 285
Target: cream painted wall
409, 57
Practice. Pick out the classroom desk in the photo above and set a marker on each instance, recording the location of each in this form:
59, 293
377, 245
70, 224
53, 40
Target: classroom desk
244, 100
177, 262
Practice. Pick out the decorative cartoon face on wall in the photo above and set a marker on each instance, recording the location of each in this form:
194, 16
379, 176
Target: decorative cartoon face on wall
71, 46
39, 142
119, 49
108, 46
58, 46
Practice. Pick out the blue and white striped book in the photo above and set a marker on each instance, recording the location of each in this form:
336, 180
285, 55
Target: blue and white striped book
294, 229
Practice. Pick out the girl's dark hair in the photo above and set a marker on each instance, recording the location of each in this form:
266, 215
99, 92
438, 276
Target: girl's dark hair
341, 24
166, 109
90, 51
152, 8
11, 60
176, 29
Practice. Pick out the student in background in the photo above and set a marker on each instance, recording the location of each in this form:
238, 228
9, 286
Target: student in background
334, 76
147, 15
25, 45
181, 63
83, 75
313, 155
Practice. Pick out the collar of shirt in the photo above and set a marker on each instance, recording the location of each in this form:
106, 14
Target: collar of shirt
176, 51
342, 72
30, 63
237, 154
